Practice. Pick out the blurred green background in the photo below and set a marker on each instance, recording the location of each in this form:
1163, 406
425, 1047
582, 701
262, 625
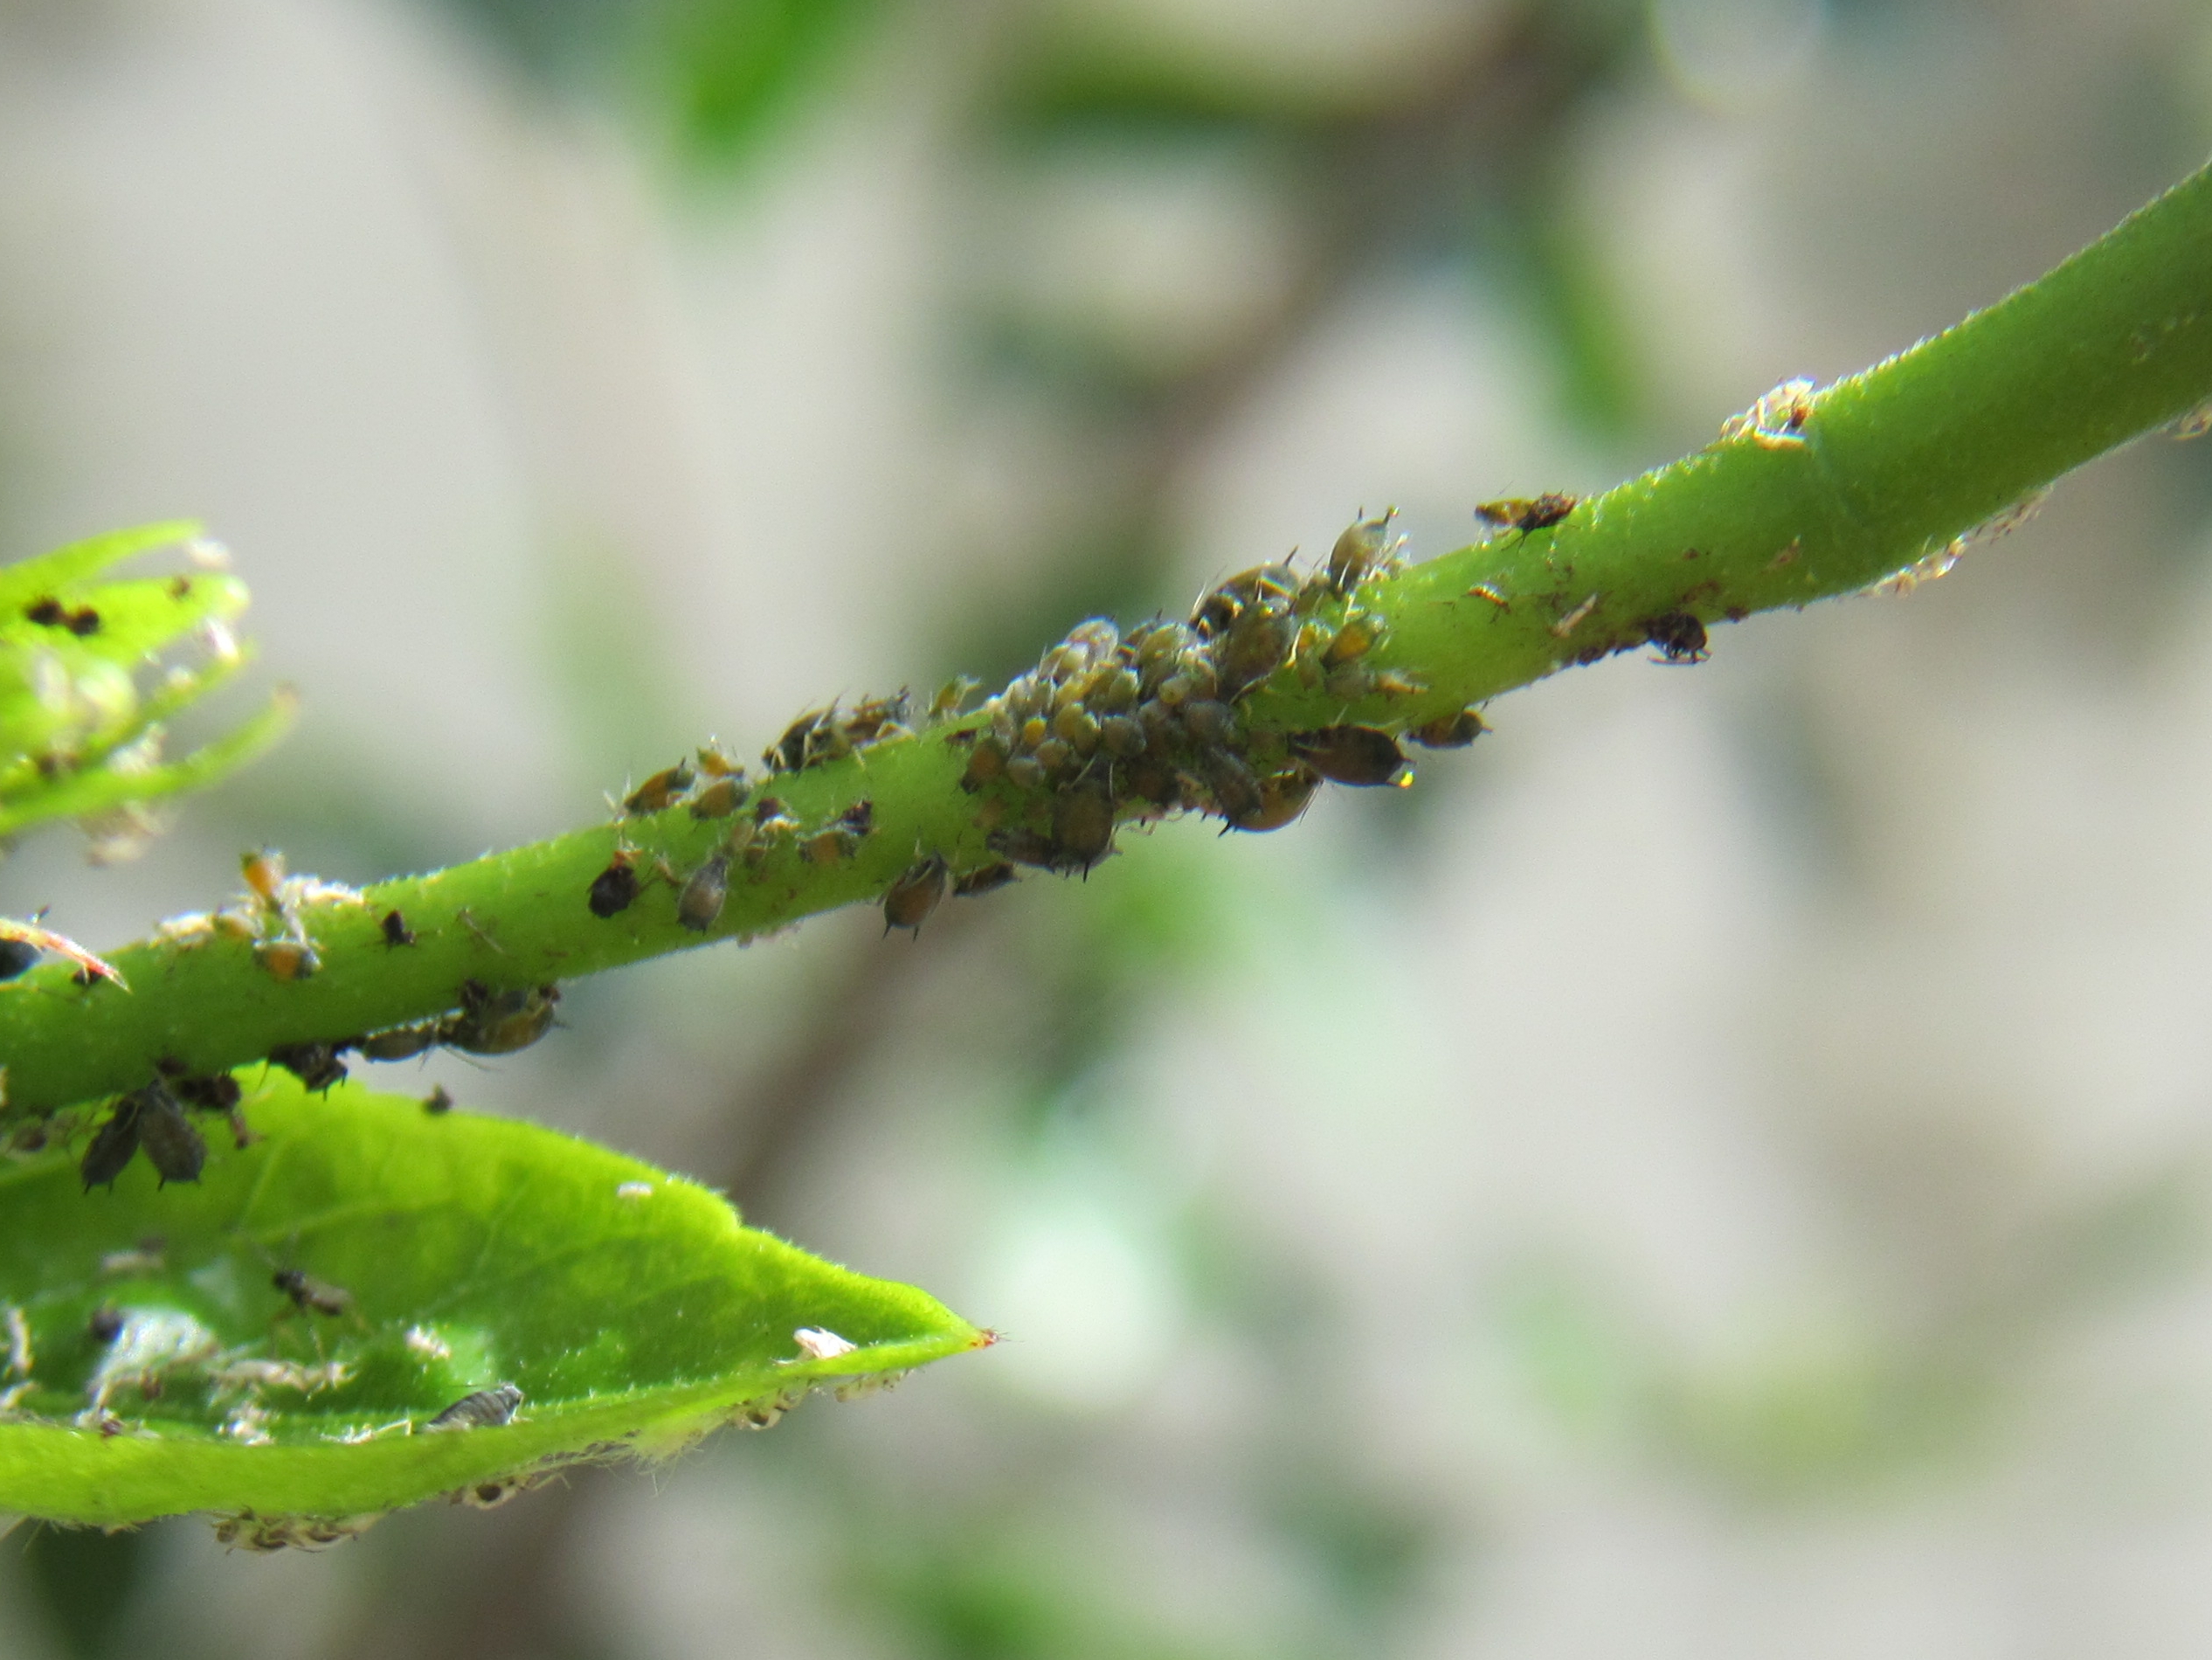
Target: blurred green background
1719, 1169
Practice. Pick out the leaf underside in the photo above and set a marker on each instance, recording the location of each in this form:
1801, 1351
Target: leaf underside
168, 1371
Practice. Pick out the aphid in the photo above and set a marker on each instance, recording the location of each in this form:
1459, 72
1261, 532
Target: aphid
817, 1343
1451, 731
700, 901
399, 1043
105, 1324
909, 900
615, 888
713, 764
16, 957
1236, 792
1025, 771
113, 1147
1390, 683
1077, 727
1283, 796
875, 720
311, 1296
1359, 550
1679, 636
499, 1022
30, 935
990, 878
439, 1102
176, 1150
951, 695
396, 930
1214, 613
287, 959
317, 1065
1256, 645
486, 1409
1526, 515
860, 818
769, 812
1025, 846
1484, 591
82, 621
1055, 756
1353, 641
1777, 420
47, 612
1575, 619
1209, 721
1357, 755
217, 1092
1262, 585
832, 846
659, 791
1082, 823
264, 873
719, 799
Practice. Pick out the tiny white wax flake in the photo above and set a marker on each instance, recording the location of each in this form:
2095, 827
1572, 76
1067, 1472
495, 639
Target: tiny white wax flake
634, 1189
207, 554
818, 1345
422, 1341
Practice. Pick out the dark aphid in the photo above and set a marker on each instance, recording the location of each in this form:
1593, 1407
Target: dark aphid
396, 930
876, 719
1355, 755
914, 896
1209, 721
1256, 645
1451, 731
105, 1324
860, 818
1214, 613
48, 612
1283, 796
499, 1022
1025, 846
217, 1092
791, 752
317, 1065
399, 1043
768, 810
951, 695
1261, 585
700, 901
615, 888
16, 957
173, 1146
664, 789
1679, 636
1359, 550
1236, 792
439, 1102
1082, 823
82, 622
311, 1296
486, 1409
987, 879
1526, 515
113, 1147
719, 799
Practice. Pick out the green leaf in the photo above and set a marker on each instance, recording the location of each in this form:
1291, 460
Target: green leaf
168, 1371
79, 736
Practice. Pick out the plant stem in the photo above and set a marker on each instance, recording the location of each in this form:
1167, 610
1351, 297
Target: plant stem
1865, 478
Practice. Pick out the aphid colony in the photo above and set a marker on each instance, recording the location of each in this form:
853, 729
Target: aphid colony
1153, 722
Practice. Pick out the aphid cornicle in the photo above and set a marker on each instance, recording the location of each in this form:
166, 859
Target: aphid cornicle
396, 930
175, 1149
700, 901
1451, 731
113, 1147
615, 888
1527, 515
908, 900
1361, 756
659, 791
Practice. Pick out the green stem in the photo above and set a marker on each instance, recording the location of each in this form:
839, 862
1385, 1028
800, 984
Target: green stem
1882, 470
